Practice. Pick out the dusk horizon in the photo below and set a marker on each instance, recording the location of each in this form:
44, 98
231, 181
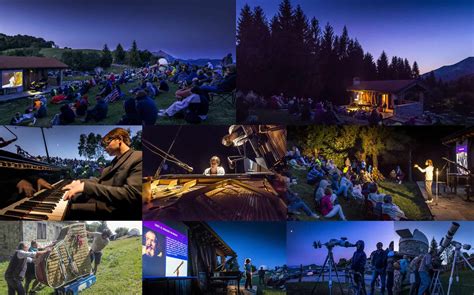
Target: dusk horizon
434, 34
189, 32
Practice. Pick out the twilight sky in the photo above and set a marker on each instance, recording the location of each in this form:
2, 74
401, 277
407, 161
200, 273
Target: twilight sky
182, 28
300, 237
62, 141
262, 242
432, 32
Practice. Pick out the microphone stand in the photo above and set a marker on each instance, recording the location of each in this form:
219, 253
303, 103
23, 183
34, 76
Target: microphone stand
165, 156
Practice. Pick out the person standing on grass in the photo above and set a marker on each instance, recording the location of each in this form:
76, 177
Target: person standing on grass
428, 170
378, 260
248, 274
261, 276
98, 244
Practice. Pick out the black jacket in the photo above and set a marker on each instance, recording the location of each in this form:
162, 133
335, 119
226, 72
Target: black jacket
118, 190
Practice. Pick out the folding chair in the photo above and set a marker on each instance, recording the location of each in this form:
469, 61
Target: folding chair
217, 98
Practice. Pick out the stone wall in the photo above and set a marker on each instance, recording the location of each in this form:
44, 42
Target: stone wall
10, 236
13, 232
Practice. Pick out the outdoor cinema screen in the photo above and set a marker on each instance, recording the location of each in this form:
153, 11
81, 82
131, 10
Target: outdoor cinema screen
12, 79
164, 250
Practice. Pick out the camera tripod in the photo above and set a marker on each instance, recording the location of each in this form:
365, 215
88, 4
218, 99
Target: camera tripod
332, 266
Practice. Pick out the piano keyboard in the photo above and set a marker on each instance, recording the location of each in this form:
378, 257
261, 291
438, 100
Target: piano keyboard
46, 204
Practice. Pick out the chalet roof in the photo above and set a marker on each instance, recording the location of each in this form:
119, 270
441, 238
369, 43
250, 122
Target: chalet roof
30, 62
390, 86
458, 136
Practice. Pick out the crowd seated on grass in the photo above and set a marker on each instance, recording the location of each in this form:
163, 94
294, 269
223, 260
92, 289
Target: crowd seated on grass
355, 181
139, 105
195, 88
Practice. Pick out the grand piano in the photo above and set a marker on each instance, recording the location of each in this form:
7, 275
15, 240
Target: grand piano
247, 195
45, 204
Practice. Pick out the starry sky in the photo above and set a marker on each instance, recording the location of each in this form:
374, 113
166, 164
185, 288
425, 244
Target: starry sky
302, 234
186, 29
432, 32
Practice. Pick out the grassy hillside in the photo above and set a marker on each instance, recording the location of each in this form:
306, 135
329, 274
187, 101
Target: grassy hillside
119, 273
407, 196
51, 52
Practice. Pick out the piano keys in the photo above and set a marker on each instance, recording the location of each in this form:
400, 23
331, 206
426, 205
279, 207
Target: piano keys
46, 204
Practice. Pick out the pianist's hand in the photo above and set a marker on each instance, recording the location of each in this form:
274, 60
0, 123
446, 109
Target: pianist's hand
25, 187
43, 184
75, 187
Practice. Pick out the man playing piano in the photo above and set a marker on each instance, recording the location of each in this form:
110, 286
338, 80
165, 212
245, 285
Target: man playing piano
116, 194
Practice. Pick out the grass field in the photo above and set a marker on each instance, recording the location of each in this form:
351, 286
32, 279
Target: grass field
406, 196
119, 273
220, 114
464, 287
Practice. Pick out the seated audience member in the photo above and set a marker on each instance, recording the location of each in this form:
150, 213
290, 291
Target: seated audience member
391, 209
328, 209
183, 105
146, 108
226, 85
323, 184
215, 168
131, 116
164, 87
99, 111
81, 106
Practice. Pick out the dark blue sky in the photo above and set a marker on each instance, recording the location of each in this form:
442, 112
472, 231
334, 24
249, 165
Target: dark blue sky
263, 242
62, 140
182, 28
302, 234
432, 32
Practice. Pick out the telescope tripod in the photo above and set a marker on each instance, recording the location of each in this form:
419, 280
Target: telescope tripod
332, 266
436, 288
454, 267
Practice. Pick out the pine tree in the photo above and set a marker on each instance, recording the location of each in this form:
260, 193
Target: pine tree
407, 72
134, 59
244, 24
106, 59
343, 44
434, 244
415, 72
370, 69
382, 67
119, 54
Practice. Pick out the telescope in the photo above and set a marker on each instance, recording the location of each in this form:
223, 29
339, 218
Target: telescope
446, 241
342, 242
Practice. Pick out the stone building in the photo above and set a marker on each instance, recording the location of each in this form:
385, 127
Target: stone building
13, 232
412, 244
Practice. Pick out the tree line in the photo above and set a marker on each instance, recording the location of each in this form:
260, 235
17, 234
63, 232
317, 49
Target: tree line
90, 145
293, 55
23, 41
88, 60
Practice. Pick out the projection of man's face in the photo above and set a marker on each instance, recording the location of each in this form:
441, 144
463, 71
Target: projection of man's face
150, 243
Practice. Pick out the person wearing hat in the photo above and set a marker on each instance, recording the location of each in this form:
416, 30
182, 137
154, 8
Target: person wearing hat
100, 240
391, 209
